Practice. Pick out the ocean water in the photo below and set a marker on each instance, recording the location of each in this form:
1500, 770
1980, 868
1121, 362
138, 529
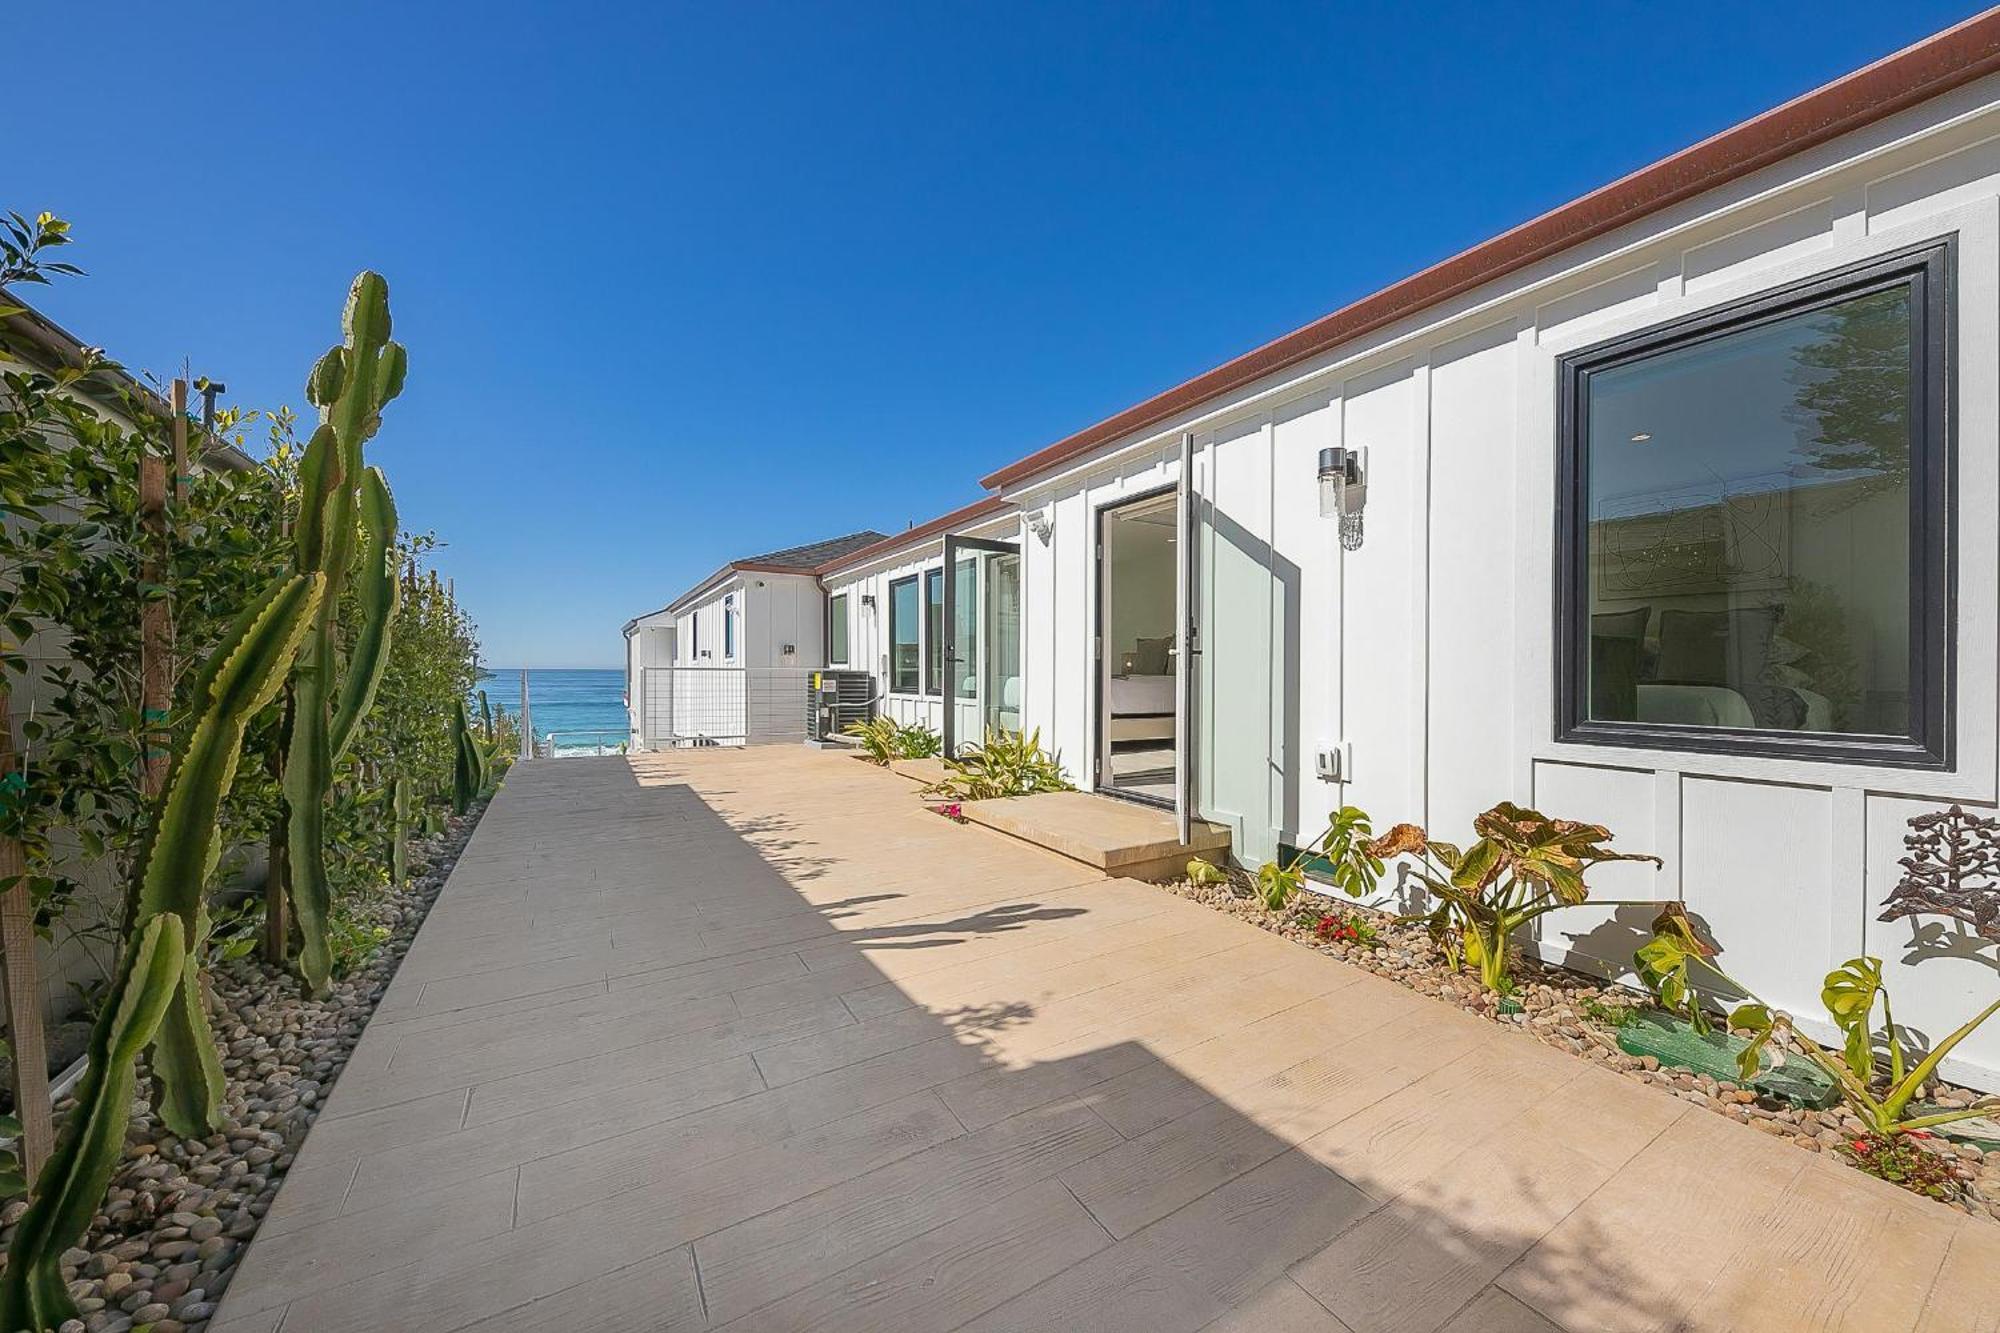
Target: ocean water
584, 710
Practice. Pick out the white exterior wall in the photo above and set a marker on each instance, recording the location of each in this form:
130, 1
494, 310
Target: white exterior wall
649, 643
1430, 650
698, 634
783, 612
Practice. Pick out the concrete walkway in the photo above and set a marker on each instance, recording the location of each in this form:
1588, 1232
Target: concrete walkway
749, 1039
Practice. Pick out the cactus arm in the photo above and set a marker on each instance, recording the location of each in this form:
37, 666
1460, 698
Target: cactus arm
187, 1068
349, 385
399, 846
72, 1184
380, 596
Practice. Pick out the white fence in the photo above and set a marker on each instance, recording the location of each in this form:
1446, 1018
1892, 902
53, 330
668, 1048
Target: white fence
722, 706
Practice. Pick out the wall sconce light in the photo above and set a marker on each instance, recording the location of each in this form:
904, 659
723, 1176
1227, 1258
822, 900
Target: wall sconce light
1038, 523
1343, 490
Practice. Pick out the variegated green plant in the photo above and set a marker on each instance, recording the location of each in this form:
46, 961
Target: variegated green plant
155, 995
1523, 866
338, 498
1849, 993
472, 773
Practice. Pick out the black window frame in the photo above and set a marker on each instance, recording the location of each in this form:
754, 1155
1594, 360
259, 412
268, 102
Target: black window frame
729, 627
1929, 271
894, 686
836, 614
933, 659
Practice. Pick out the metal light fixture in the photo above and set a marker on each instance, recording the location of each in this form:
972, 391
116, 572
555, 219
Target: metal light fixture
1038, 523
1343, 490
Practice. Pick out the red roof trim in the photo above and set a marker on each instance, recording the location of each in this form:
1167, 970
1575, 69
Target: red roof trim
1936, 65
978, 509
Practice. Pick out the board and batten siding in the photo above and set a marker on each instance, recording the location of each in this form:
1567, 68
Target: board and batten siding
1430, 650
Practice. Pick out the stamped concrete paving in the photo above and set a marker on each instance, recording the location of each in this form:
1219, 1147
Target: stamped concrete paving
748, 1039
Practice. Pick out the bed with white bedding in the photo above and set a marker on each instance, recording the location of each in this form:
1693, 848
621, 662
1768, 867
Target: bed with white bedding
1139, 707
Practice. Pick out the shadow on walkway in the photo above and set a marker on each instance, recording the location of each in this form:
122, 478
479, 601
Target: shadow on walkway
663, 1060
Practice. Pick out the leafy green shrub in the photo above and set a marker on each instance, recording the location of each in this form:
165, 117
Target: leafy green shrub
1008, 764
884, 738
1524, 866
1850, 993
1902, 1162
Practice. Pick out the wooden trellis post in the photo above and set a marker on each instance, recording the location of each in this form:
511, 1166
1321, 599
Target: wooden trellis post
23, 982
156, 626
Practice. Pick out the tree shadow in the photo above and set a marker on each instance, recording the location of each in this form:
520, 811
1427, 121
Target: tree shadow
1037, 1130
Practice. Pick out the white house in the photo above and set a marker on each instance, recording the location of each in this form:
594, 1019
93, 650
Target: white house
1672, 509
726, 661
892, 613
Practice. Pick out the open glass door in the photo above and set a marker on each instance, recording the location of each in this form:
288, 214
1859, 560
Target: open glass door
1187, 644
982, 639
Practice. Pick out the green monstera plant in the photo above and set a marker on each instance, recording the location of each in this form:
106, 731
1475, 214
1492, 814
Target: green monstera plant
1523, 866
1849, 993
339, 497
155, 1000
1342, 849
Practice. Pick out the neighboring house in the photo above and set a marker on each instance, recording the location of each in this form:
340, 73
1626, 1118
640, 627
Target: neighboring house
1673, 509
31, 341
737, 647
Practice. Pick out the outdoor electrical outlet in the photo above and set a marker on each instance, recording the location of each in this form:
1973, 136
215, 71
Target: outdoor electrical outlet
1336, 764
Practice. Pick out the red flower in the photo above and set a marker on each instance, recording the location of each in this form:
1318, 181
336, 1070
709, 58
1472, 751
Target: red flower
1861, 1145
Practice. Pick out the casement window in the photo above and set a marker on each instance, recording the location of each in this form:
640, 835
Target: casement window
934, 631
836, 630
1754, 525
729, 628
905, 655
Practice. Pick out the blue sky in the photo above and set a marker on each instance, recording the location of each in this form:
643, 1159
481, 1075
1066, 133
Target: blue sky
682, 283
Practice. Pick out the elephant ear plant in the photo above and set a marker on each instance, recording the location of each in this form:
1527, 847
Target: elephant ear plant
1849, 994
154, 998
338, 496
1523, 866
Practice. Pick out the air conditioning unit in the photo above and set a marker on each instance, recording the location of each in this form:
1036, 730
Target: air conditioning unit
833, 700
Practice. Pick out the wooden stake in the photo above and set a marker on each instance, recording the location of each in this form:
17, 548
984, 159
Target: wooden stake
178, 492
156, 626
23, 985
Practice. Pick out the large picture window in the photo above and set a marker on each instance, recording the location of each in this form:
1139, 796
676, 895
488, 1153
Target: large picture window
1754, 512
836, 630
905, 654
934, 631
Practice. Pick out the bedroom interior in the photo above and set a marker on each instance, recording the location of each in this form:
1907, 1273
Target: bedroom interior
1136, 733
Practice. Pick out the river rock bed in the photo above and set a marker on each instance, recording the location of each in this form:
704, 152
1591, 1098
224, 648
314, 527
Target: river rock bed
1570, 1011
179, 1212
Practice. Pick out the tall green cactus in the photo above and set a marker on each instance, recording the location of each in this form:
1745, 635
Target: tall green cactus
155, 997
350, 385
399, 846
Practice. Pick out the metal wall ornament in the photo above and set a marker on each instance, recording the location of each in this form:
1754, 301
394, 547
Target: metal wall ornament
1952, 870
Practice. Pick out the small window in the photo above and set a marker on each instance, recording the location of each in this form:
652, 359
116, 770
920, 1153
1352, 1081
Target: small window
1754, 512
934, 631
729, 628
836, 630
694, 636
904, 626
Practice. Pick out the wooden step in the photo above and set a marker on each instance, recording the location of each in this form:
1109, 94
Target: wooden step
1117, 837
